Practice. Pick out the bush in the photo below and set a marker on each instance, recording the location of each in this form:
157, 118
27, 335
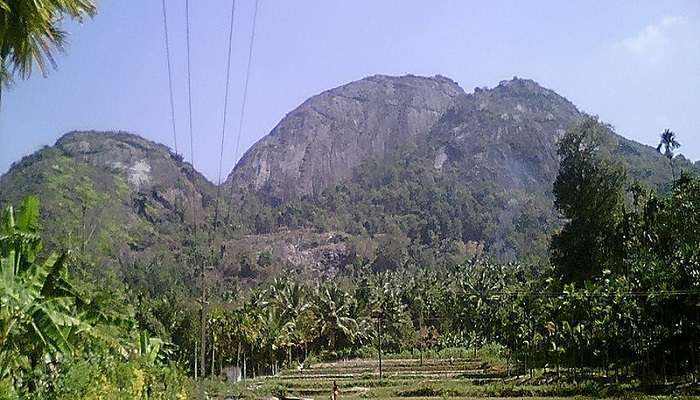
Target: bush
101, 375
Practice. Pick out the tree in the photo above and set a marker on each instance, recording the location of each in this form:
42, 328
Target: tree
30, 34
290, 299
479, 286
669, 143
334, 312
589, 194
388, 306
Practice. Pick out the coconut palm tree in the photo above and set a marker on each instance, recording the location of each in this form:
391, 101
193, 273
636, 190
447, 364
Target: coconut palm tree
235, 332
291, 300
388, 306
271, 335
669, 143
30, 34
334, 309
289, 296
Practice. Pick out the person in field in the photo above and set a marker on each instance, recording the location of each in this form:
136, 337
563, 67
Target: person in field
334, 396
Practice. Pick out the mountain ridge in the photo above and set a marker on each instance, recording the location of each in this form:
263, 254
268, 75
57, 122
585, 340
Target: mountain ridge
414, 164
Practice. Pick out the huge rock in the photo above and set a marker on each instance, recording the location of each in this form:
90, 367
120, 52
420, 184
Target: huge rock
322, 140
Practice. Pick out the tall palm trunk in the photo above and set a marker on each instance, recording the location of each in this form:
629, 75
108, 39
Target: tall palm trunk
673, 170
212, 358
238, 356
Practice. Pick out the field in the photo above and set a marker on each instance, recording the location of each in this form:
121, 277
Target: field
407, 378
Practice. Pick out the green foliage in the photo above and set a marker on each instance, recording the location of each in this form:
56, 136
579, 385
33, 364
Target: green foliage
411, 210
56, 342
103, 375
335, 313
30, 33
639, 307
589, 194
40, 310
635, 311
635, 316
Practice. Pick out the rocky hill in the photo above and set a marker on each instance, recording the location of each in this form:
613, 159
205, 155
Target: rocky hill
322, 140
109, 195
506, 134
419, 157
382, 173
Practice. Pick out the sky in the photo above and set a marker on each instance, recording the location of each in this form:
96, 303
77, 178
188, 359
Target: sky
635, 64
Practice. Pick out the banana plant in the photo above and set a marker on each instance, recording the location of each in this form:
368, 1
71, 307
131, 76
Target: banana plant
42, 314
479, 286
151, 349
38, 305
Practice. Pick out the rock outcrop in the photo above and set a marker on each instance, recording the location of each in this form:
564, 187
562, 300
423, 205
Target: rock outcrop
414, 158
111, 194
321, 141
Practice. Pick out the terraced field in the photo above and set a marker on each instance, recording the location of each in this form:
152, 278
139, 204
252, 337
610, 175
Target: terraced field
400, 377
407, 379
433, 379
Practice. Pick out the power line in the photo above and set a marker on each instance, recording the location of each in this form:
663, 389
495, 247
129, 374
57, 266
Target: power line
244, 102
247, 78
189, 90
189, 108
170, 76
213, 229
194, 208
223, 125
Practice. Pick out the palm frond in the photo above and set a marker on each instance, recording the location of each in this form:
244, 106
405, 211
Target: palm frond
31, 34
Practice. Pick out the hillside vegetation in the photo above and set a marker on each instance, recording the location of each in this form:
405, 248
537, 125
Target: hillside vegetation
583, 261
438, 174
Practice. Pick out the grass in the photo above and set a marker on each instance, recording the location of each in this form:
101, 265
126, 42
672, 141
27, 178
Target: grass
405, 378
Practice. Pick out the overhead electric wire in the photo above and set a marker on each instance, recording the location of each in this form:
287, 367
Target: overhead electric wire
191, 134
244, 101
202, 363
247, 79
189, 109
170, 75
189, 99
223, 125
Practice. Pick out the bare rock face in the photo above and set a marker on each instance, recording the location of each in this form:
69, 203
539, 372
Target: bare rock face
304, 251
505, 135
321, 141
148, 168
476, 167
142, 163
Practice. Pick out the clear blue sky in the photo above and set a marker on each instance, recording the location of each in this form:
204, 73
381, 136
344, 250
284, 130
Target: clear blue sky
636, 64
